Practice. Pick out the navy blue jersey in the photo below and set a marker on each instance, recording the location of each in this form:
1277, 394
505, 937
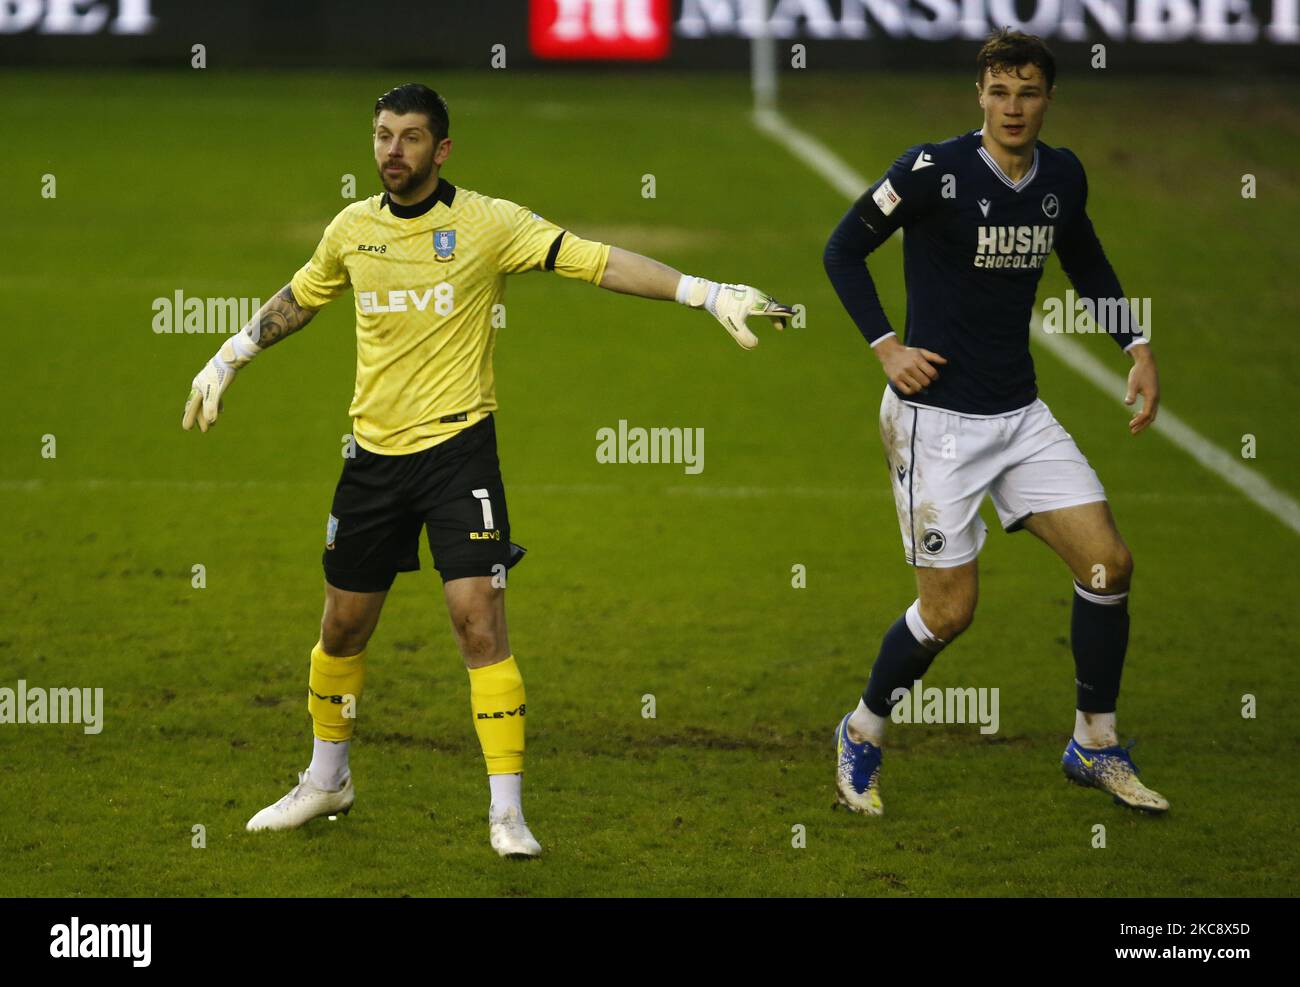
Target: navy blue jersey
974, 247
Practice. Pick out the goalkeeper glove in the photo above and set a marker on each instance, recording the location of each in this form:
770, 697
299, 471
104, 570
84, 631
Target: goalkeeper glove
732, 304
204, 402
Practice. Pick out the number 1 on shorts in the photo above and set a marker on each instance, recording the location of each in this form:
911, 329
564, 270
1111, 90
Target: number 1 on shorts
482, 495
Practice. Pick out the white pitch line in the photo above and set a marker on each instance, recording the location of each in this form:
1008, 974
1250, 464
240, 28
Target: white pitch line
812, 152
1223, 464
1254, 486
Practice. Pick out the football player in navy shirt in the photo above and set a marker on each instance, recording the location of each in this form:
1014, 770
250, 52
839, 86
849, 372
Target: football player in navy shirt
961, 417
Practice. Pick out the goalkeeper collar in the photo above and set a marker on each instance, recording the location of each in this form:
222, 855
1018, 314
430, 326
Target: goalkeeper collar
445, 192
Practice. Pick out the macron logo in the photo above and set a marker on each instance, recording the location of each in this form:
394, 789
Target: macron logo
77, 941
923, 160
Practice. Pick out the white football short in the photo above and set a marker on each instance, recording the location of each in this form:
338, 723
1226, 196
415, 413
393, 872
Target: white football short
941, 465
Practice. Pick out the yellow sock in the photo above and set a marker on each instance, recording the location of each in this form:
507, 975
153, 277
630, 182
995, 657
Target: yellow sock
496, 696
333, 691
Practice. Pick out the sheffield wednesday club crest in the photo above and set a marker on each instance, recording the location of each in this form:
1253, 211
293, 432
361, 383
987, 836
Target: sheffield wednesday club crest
444, 244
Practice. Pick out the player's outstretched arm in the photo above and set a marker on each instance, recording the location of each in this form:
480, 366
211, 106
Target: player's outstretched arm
730, 304
280, 317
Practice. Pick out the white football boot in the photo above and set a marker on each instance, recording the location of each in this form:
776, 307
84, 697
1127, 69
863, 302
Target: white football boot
857, 772
509, 834
304, 803
1112, 770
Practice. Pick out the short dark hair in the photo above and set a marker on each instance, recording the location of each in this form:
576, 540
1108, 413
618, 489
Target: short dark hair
1008, 49
414, 97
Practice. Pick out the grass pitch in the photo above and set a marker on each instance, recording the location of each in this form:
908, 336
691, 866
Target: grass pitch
639, 579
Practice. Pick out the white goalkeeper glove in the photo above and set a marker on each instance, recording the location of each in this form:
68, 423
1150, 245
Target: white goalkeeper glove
732, 304
204, 402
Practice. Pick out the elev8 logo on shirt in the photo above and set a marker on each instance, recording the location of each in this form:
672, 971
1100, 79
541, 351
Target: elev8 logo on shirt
442, 296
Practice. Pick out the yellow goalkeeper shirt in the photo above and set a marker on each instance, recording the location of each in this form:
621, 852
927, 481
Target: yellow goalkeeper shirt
427, 280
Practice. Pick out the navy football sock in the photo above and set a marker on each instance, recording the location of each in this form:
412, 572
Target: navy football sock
1099, 638
905, 653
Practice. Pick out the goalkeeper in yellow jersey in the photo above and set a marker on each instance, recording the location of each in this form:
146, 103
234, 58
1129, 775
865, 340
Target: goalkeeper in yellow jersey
426, 262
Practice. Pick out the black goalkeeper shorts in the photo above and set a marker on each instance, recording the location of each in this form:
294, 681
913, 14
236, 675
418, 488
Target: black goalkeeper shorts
452, 490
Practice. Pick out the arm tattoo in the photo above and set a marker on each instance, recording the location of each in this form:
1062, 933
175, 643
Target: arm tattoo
281, 316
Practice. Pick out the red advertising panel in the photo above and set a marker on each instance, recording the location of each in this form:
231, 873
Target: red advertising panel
614, 30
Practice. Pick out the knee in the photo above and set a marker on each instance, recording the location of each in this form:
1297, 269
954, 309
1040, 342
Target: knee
476, 634
1115, 569
949, 618
342, 636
